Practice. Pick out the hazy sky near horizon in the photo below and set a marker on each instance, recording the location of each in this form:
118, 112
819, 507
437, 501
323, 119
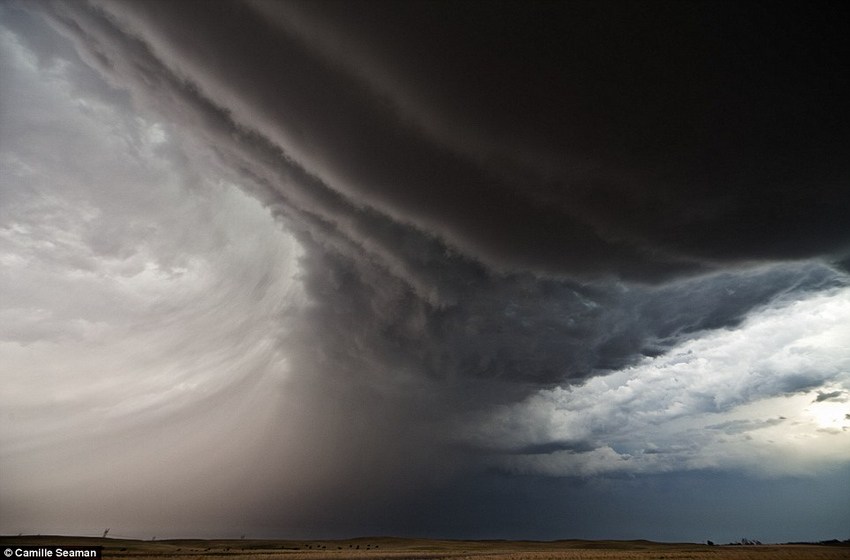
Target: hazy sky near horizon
480, 270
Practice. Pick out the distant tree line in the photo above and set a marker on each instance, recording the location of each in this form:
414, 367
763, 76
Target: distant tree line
831, 542
753, 542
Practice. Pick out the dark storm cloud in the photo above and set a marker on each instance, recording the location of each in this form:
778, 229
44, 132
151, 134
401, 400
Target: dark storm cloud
491, 200
703, 135
352, 173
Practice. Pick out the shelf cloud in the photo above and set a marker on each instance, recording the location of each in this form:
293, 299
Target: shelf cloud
307, 267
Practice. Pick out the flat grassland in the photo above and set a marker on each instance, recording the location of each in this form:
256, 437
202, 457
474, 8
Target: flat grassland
388, 548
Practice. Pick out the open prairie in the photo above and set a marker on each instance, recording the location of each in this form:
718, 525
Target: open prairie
380, 548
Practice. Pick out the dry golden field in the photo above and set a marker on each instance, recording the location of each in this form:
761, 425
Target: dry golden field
419, 549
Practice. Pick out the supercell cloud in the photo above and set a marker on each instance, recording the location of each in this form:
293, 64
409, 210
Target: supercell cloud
323, 269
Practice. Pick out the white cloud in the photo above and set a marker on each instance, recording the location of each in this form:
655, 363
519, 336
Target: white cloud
745, 397
144, 298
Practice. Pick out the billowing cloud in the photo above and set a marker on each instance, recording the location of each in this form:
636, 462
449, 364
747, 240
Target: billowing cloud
356, 139
143, 300
326, 263
740, 397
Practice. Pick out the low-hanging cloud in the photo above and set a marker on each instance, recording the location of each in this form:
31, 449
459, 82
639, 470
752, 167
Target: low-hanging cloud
741, 396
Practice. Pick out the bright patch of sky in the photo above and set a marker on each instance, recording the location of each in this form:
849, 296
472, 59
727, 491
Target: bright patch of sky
769, 396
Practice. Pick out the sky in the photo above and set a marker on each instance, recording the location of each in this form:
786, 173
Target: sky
463, 270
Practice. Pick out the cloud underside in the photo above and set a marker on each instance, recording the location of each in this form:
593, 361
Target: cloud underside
285, 250
340, 143
747, 397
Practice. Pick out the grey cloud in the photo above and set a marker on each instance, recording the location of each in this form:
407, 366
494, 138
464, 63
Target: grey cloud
837, 396
719, 397
742, 426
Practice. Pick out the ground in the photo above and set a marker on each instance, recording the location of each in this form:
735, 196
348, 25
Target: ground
381, 548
